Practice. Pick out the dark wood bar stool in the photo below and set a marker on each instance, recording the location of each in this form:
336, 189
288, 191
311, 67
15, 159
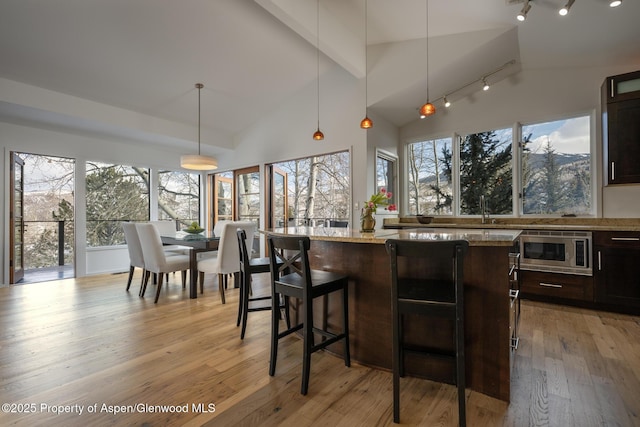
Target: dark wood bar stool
294, 278
438, 292
249, 266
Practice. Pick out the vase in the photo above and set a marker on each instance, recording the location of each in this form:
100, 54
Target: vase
367, 221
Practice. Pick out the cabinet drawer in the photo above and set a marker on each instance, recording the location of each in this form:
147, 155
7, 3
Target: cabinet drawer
567, 286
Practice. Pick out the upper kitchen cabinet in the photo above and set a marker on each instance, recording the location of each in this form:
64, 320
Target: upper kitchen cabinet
621, 128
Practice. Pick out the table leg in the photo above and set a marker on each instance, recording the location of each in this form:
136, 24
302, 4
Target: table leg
193, 273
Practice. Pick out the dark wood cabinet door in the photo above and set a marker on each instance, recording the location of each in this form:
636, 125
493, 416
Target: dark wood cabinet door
623, 142
620, 102
616, 271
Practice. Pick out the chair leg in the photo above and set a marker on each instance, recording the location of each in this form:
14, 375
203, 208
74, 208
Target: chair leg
275, 320
307, 344
221, 286
460, 374
244, 289
145, 281
160, 277
131, 269
395, 363
184, 279
240, 300
345, 325
201, 280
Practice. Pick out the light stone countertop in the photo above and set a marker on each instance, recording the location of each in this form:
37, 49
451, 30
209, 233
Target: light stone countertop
475, 236
568, 224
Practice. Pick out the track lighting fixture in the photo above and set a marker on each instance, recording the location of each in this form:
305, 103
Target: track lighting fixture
523, 13
485, 85
447, 104
615, 3
566, 8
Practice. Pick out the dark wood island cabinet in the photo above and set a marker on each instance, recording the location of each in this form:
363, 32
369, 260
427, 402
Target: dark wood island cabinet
490, 301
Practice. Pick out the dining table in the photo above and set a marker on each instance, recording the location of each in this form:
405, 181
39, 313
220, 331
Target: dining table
200, 242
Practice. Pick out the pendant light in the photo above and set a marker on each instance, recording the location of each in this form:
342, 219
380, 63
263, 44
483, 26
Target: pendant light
366, 123
318, 135
428, 109
198, 161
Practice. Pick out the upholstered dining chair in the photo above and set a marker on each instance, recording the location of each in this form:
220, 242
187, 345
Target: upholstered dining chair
135, 251
168, 228
155, 259
227, 259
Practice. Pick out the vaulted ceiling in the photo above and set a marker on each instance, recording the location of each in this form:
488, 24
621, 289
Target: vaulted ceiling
252, 55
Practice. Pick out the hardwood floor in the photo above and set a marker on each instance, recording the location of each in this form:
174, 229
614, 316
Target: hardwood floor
87, 342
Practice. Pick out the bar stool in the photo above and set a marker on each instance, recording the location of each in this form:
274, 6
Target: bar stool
438, 293
295, 278
249, 266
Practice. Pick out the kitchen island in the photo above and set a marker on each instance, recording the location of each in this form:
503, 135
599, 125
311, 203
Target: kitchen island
488, 319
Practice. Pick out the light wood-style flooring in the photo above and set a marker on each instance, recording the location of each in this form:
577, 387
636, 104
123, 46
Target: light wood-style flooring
88, 344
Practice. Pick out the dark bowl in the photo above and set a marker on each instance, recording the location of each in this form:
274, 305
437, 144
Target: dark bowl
424, 219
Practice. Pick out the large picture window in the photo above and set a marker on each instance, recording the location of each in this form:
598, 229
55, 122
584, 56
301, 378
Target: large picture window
114, 193
429, 177
554, 171
318, 188
179, 197
556, 167
486, 169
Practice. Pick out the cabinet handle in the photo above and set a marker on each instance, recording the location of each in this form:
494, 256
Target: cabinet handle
515, 342
612, 88
613, 171
550, 285
599, 261
626, 239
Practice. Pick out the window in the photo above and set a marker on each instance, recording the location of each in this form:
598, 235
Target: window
248, 181
554, 170
385, 174
556, 173
222, 197
486, 169
318, 188
179, 197
429, 170
114, 193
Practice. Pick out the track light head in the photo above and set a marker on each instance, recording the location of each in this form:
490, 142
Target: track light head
523, 13
566, 8
615, 3
485, 85
447, 103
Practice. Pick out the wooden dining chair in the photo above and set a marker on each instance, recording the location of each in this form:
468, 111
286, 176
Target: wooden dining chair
435, 290
292, 276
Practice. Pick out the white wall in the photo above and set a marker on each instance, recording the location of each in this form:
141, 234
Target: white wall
530, 96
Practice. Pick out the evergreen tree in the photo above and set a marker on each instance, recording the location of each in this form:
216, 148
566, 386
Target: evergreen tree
485, 169
113, 196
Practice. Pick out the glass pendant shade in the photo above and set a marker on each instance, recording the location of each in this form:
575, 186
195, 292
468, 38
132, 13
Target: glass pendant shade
318, 135
198, 162
427, 109
366, 123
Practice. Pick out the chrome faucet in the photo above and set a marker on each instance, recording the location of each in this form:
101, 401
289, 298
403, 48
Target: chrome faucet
483, 209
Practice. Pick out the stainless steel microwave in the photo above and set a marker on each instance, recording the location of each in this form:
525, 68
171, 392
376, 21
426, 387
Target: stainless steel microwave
556, 251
